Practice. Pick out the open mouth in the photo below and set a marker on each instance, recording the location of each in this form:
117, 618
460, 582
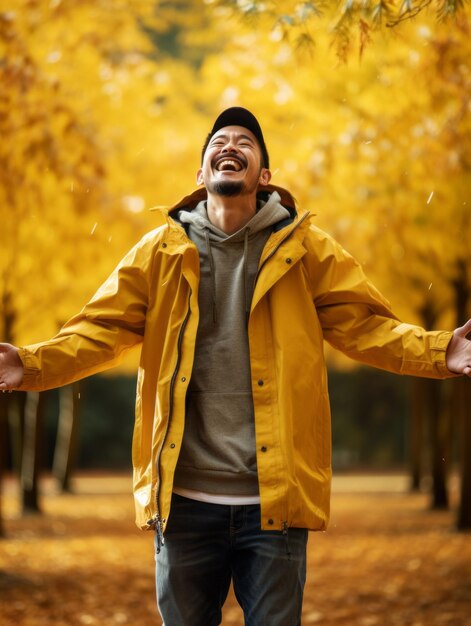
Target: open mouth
229, 165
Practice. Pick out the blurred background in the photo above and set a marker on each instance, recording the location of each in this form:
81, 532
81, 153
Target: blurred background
104, 108
365, 106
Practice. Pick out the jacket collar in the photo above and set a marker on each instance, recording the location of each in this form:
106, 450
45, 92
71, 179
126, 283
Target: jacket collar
178, 235
190, 201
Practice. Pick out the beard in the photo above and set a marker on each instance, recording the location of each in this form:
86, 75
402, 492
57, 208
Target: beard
227, 187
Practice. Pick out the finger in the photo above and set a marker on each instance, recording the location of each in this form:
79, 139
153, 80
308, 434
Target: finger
462, 331
467, 371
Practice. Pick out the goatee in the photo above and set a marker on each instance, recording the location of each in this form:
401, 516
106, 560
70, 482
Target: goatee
227, 187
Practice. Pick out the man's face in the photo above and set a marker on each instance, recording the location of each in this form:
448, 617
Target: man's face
232, 163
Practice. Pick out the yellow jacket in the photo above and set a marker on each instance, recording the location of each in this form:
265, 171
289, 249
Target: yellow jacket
307, 289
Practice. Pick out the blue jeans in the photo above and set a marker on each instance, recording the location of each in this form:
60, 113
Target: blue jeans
208, 545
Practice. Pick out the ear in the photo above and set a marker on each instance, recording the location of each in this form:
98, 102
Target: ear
199, 177
265, 176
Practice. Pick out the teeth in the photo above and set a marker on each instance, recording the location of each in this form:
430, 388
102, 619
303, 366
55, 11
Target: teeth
229, 164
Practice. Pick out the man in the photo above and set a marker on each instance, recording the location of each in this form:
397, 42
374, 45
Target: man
230, 300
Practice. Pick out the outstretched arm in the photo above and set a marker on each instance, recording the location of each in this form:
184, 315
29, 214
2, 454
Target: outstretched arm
11, 367
356, 319
95, 339
458, 354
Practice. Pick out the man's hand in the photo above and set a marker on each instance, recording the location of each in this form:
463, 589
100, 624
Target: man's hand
458, 354
11, 367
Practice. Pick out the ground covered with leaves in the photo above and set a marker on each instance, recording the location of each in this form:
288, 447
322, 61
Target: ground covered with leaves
386, 560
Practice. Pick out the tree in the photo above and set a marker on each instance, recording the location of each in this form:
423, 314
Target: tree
109, 117
3, 449
32, 448
55, 198
424, 207
81, 117
67, 435
352, 23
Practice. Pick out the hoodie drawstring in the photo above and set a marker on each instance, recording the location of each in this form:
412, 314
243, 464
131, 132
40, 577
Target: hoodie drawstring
247, 295
213, 275
247, 288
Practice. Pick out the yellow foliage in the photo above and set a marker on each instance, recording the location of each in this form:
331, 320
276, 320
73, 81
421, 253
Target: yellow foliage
104, 107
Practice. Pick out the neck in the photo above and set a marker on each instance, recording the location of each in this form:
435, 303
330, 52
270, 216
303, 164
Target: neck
231, 213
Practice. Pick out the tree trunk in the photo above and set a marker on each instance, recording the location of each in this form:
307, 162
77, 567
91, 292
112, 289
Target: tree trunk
463, 390
16, 426
462, 288
67, 435
438, 428
439, 448
4, 401
30, 467
416, 433
6, 327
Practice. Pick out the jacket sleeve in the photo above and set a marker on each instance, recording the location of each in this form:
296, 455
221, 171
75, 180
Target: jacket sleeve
358, 320
99, 336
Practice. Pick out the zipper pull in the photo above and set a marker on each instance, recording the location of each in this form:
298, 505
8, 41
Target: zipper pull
284, 530
160, 534
155, 523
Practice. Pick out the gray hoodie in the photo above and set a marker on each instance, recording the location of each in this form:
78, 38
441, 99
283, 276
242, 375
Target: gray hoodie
218, 450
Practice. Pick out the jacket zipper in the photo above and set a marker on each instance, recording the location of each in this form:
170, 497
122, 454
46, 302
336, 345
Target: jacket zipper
157, 522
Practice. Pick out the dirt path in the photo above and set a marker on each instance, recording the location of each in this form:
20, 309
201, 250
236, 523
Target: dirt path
385, 561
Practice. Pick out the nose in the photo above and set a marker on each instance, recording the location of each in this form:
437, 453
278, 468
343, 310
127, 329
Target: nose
229, 147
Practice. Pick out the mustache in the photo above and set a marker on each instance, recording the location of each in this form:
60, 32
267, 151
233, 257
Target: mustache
230, 157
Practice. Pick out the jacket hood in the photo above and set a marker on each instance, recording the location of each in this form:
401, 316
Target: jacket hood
190, 201
268, 214
204, 234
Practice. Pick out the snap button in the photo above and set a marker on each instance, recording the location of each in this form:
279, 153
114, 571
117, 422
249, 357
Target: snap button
288, 260
270, 521
172, 445
260, 383
164, 245
263, 448
183, 379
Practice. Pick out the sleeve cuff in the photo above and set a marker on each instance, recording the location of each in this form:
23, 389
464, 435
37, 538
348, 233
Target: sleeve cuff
439, 346
31, 373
